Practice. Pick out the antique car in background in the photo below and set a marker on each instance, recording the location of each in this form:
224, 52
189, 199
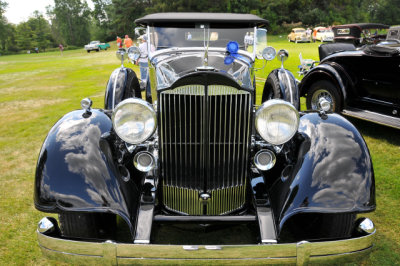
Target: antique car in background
299, 35
322, 34
393, 33
363, 83
195, 171
360, 34
96, 46
392, 37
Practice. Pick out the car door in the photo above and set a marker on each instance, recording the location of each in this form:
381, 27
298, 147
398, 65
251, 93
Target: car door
380, 79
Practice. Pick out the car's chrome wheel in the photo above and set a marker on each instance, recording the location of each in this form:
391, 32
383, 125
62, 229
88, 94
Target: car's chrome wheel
319, 96
321, 93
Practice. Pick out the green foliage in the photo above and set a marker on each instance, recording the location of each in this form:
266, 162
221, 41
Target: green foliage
386, 11
71, 21
24, 36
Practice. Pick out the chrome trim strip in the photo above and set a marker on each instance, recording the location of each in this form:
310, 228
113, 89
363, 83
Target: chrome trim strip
111, 252
114, 88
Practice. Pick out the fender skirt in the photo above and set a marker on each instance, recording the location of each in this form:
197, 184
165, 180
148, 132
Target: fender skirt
76, 172
122, 84
332, 174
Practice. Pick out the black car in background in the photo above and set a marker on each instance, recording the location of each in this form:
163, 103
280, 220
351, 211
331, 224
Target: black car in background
359, 33
363, 83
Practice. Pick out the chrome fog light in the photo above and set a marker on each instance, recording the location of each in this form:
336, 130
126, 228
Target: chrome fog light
47, 225
365, 226
264, 160
144, 161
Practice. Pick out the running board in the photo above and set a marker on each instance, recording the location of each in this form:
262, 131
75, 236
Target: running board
373, 117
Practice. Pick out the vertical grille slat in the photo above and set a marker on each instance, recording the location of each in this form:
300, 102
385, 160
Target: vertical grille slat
204, 140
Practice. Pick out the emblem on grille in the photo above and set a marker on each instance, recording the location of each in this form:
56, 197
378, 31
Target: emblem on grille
205, 197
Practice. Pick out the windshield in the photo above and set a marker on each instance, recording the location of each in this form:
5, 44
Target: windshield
201, 36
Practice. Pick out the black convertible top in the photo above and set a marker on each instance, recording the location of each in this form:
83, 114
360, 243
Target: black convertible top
193, 17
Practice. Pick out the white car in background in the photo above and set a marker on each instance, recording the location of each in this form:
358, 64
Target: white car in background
96, 46
323, 34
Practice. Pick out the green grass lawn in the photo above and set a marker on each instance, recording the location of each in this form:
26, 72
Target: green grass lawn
37, 89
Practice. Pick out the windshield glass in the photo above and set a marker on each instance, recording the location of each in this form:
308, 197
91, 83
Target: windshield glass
168, 37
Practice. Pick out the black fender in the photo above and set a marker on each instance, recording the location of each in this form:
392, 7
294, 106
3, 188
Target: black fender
123, 84
333, 172
287, 86
332, 72
76, 172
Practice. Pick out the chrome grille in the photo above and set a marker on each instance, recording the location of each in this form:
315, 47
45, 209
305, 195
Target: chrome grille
204, 137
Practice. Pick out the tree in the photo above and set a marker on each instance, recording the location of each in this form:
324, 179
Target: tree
102, 17
24, 36
3, 25
41, 33
71, 20
386, 11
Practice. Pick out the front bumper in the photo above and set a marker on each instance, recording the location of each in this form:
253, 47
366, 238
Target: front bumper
303, 39
120, 253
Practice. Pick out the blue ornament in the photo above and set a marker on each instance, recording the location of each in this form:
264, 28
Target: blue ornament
228, 60
232, 47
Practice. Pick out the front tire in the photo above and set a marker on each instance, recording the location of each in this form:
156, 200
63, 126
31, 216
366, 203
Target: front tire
324, 89
271, 88
88, 225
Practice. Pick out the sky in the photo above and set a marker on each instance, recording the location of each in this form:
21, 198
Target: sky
20, 10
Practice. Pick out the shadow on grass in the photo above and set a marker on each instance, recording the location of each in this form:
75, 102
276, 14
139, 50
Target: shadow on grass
376, 131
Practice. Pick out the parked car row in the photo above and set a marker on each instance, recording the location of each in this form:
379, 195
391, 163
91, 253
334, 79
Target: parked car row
322, 34
357, 33
196, 152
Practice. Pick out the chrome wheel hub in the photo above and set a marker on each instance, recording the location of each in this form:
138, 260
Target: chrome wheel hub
320, 100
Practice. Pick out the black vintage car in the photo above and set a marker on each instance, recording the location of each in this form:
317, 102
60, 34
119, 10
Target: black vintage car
363, 83
197, 172
359, 33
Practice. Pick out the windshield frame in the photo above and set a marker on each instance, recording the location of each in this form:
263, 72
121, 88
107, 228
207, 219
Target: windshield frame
154, 52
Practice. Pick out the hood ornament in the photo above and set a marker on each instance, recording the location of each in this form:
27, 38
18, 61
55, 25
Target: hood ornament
205, 66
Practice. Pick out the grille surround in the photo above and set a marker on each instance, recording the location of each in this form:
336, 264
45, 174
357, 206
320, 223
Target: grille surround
204, 147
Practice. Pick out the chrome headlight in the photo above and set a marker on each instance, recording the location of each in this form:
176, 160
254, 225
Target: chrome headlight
277, 121
134, 120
